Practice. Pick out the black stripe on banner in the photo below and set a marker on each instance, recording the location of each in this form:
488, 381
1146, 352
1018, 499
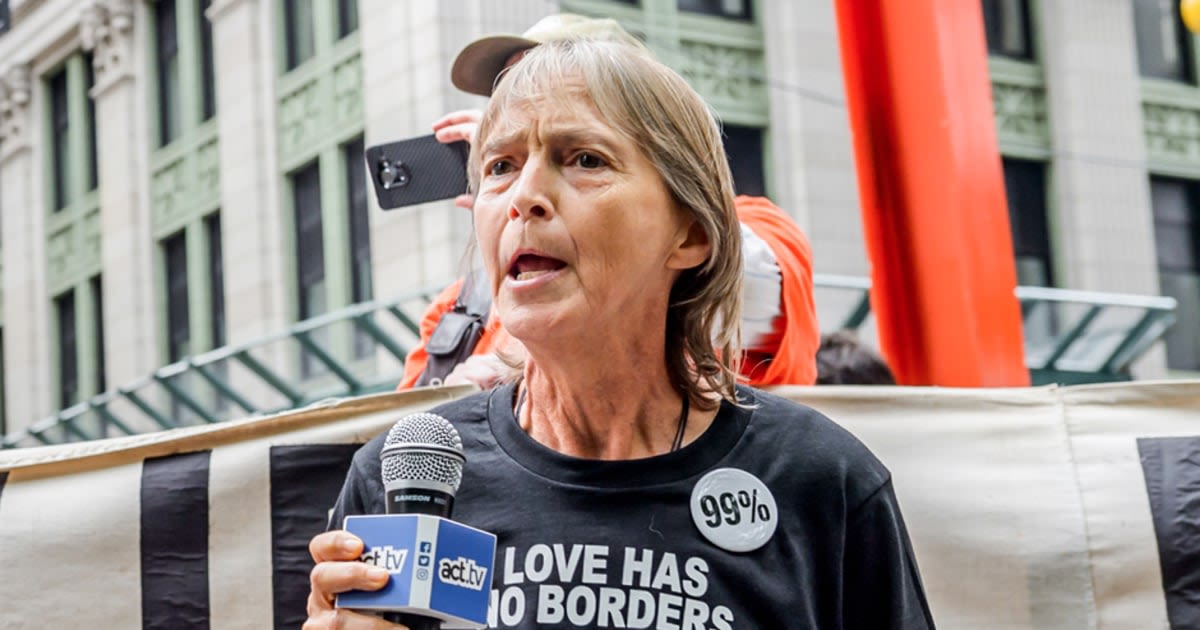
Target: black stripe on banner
305, 482
175, 542
1172, 470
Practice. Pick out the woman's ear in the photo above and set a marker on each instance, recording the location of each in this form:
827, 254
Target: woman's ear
692, 247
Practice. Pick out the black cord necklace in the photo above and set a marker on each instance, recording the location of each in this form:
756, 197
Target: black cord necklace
675, 445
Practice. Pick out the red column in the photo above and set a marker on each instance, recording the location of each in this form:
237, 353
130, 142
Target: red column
932, 191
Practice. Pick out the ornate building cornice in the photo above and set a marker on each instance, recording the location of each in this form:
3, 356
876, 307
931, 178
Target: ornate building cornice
106, 29
14, 109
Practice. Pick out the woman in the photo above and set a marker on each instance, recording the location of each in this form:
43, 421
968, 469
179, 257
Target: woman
629, 480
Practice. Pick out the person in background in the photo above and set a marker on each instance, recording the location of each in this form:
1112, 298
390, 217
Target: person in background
844, 360
779, 322
629, 479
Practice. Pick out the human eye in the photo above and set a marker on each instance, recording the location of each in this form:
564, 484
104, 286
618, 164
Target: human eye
499, 167
589, 160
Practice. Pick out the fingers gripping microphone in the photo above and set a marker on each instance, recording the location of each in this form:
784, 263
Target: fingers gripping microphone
422, 462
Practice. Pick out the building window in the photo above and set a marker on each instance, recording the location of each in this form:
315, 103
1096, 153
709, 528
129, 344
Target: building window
60, 120
216, 277
97, 289
179, 332
298, 35
1176, 205
310, 252
744, 150
208, 94
1025, 186
1006, 24
735, 9
167, 69
89, 82
1163, 43
347, 17
360, 237
68, 350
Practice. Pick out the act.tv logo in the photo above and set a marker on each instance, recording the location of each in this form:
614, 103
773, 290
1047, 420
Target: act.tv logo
462, 572
387, 557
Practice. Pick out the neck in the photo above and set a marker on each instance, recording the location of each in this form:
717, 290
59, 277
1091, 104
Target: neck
609, 406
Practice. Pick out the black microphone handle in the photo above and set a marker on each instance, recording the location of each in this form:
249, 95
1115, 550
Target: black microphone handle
414, 622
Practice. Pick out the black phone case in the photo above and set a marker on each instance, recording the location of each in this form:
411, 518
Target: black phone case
417, 170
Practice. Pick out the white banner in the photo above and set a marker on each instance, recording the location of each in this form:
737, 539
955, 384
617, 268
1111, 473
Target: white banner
1028, 508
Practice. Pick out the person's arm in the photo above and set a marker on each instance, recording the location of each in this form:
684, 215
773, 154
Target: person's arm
417, 358
881, 587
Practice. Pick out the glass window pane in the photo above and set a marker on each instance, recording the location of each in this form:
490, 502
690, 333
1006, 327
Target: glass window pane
1163, 44
97, 289
298, 31
167, 57
216, 277
1007, 27
208, 85
89, 77
68, 372
737, 9
178, 318
1177, 235
1025, 188
60, 120
744, 150
347, 17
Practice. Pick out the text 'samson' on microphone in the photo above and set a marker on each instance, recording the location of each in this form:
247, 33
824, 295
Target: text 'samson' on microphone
422, 465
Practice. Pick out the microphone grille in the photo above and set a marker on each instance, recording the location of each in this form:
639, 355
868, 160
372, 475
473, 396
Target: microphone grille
423, 447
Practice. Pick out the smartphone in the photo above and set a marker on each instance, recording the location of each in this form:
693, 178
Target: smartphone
417, 170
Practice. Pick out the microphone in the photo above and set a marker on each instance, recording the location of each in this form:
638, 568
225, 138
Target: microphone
440, 570
422, 463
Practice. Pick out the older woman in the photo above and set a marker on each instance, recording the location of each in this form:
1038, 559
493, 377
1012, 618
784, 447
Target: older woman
630, 481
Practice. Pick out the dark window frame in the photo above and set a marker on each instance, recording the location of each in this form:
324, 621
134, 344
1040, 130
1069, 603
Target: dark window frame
208, 86
1028, 214
175, 280
1160, 67
347, 11
216, 278
60, 130
715, 8
995, 13
1177, 258
166, 53
744, 150
96, 285
89, 82
311, 299
294, 53
68, 348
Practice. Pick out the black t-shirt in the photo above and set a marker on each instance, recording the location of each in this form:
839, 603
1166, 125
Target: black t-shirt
774, 518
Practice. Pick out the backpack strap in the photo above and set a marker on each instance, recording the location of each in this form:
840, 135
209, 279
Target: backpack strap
459, 330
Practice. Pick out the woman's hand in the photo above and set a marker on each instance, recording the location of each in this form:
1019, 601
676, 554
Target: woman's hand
338, 570
455, 126
483, 370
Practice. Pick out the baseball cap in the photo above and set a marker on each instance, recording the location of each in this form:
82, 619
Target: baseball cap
480, 62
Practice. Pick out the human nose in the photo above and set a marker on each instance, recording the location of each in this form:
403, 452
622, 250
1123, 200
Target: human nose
532, 197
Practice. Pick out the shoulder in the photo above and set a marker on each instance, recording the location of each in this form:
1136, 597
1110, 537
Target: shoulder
808, 445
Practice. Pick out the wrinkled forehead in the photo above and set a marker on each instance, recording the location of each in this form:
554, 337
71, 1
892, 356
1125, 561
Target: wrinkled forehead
538, 109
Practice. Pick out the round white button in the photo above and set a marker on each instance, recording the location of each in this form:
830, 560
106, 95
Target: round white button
734, 510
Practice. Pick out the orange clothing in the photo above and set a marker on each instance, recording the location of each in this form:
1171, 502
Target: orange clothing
791, 357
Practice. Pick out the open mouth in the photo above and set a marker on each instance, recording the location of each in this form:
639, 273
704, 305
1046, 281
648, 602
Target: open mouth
530, 266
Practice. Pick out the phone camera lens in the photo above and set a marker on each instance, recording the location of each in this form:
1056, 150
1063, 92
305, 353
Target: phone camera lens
393, 175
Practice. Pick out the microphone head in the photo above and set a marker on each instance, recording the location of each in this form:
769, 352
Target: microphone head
423, 450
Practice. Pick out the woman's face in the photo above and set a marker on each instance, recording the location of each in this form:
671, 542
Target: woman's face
579, 233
